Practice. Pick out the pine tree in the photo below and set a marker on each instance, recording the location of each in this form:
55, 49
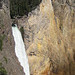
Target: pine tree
22, 7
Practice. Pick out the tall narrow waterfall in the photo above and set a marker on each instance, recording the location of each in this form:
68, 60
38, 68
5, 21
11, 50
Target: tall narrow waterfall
20, 49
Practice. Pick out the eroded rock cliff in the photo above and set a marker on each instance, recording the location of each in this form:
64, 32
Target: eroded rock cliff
49, 36
50, 39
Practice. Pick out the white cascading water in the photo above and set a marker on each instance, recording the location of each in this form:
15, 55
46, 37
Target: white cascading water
20, 49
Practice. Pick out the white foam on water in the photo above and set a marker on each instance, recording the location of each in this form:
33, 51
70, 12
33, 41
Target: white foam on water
20, 50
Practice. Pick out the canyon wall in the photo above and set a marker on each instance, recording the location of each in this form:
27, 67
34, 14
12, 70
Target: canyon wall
49, 38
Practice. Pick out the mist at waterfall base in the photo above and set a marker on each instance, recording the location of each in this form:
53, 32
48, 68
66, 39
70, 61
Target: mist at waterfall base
20, 49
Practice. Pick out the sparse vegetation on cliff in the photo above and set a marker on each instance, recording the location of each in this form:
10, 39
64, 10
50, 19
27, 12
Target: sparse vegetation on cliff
2, 70
1, 41
22, 32
5, 59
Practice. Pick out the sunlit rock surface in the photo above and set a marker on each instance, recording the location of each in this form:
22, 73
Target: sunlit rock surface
50, 42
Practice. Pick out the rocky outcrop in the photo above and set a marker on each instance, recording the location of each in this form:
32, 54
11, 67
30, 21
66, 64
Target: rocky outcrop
49, 38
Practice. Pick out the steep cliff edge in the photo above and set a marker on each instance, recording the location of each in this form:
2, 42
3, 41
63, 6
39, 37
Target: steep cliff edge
50, 39
8, 58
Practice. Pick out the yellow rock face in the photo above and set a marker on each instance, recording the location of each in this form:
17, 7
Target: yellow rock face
52, 51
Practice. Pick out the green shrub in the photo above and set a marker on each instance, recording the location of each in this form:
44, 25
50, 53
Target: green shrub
1, 41
22, 32
2, 70
61, 27
5, 59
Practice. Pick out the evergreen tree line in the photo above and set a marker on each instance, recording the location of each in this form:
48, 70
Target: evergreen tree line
21, 7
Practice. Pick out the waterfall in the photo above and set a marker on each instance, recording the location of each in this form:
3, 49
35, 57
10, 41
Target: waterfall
20, 49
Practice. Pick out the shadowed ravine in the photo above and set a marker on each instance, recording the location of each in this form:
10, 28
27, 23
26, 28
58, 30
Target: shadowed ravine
20, 49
